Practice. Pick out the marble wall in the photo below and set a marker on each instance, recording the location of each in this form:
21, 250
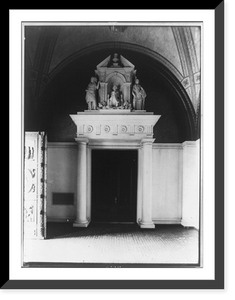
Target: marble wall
167, 183
61, 178
175, 189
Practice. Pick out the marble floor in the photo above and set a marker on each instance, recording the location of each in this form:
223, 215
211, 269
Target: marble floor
114, 244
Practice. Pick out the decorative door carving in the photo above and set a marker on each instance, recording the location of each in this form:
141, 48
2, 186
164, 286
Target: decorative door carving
34, 202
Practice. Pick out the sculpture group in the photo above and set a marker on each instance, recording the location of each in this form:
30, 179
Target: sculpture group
115, 86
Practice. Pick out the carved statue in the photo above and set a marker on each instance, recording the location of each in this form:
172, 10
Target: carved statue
115, 70
91, 93
126, 104
139, 96
115, 60
114, 97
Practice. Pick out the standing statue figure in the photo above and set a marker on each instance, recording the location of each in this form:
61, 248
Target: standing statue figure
139, 96
91, 93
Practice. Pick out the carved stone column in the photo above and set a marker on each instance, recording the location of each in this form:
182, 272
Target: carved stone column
88, 206
127, 91
146, 220
81, 218
103, 92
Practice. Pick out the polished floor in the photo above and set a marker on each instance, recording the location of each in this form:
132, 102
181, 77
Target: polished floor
114, 244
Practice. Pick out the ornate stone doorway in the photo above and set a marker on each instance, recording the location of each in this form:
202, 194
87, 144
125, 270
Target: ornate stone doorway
120, 130
114, 186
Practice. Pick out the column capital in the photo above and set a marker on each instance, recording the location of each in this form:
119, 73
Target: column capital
82, 140
147, 141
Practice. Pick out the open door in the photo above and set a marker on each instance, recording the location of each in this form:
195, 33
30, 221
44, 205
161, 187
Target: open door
34, 184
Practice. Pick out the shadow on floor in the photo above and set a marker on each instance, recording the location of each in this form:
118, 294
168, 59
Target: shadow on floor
114, 245
66, 230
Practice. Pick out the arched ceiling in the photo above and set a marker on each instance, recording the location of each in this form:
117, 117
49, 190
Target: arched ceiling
71, 39
48, 46
59, 61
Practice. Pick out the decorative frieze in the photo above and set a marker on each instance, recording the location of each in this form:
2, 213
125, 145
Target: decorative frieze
109, 126
106, 128
189, 61
140, 128
89, 128
186, 82
123, 128
98, 129
197, 77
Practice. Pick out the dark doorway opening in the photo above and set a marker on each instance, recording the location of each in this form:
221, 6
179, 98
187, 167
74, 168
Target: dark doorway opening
114, 185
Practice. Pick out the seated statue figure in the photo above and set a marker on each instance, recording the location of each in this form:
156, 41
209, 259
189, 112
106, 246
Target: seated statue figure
113, 99
91, 93
139, 95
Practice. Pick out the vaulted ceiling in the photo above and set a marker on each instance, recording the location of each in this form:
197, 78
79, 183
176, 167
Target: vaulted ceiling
59, 61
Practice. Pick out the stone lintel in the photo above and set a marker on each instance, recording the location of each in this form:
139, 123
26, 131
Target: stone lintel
105, 126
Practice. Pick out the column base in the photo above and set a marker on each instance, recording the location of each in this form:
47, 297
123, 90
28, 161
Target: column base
147, 225
81, 224
189, 224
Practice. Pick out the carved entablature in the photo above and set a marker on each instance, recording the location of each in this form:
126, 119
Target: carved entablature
116, 71
114, 126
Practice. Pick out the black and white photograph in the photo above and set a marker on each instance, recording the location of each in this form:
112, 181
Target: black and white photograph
112, 144
116, 150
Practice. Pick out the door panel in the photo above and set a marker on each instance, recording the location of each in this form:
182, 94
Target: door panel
34, 185
114, 185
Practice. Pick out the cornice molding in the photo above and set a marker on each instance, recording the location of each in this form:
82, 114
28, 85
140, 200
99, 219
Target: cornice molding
110, 126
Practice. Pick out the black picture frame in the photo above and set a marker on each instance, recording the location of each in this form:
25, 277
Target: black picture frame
219, 283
